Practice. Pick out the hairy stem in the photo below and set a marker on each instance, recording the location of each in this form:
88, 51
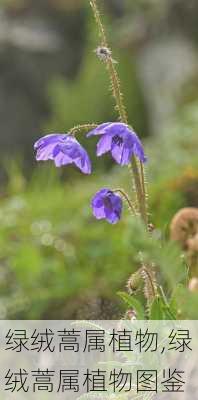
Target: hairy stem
120, 107
126, 197
78, 128
115, 82
138, 170
141, 197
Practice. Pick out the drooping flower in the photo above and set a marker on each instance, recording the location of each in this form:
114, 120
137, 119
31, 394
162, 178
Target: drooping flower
63, 150
120, 140
107, 205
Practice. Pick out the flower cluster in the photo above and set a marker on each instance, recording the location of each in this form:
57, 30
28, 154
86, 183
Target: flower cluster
115, 137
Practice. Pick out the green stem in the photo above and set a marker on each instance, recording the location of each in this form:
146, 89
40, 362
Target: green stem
139, 191
115, 82
116, 89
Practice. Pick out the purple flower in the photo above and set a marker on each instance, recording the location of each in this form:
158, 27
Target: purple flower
120, 140
63, 150
107, 205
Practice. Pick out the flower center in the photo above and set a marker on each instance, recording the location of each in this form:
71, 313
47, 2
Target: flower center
107, 202
117, 140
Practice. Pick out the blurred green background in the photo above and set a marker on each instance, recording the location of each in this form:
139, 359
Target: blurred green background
56, 261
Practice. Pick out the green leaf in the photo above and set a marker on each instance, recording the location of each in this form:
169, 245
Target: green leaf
177, 293
168, 313
156, 312
133, 303
161, 310
168, 309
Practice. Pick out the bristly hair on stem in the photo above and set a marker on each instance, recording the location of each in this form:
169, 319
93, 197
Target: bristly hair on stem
78, 128
150, 285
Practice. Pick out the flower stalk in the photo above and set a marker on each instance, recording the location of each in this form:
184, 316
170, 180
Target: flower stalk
78, 128
139, 178
137, 168
126, 198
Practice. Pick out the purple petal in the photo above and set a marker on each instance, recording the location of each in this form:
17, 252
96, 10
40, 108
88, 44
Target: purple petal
62, 159
112, 217
99, 130
104, 145
98, 205
121, 154
78, 154
97, 200
45, 153
83, 163
117, 128
116, 202
46, 146
139, 151
99, 212
48, 139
